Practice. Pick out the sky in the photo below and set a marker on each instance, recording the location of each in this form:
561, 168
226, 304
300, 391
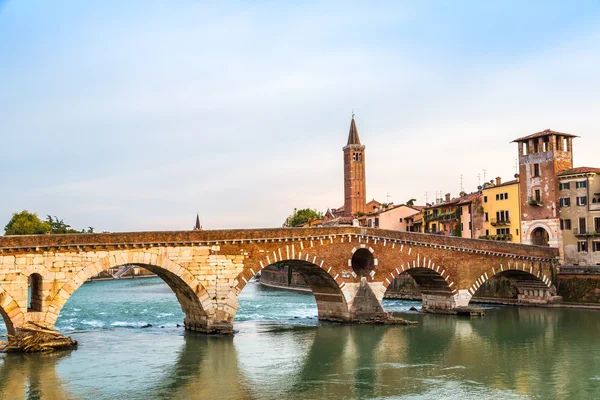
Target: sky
130, 116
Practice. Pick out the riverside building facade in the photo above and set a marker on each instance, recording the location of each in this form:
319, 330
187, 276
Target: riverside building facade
502, 211
542, 157
579, 190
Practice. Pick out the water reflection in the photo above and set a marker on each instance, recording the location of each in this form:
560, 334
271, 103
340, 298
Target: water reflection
511, 353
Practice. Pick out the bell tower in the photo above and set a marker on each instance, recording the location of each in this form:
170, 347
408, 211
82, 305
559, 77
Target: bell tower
355, 196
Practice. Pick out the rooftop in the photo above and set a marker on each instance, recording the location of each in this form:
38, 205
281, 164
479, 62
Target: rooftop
513, 182
543, 133
580, 170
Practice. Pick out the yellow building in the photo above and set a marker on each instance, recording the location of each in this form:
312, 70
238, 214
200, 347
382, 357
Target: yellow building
502, 211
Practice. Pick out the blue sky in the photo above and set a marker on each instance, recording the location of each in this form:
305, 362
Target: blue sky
136, 116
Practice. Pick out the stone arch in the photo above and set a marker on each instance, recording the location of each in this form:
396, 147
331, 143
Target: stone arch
533, 285
191, 294
11, 312
437, 286
535, 227
325, 281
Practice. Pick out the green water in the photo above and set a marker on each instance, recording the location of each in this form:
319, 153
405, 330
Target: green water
282, 352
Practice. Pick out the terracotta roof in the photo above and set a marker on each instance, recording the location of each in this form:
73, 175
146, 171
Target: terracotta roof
353, 135
513, 182
543, 133
469, 198
580, 170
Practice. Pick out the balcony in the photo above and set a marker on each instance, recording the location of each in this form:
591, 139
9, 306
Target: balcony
499, 222
579, 232
505, 237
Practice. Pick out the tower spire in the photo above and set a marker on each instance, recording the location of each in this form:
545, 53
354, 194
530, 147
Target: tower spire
198, 227
353, 134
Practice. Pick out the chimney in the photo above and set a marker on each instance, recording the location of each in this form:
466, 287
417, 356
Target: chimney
447, 196
498, 181
463, 194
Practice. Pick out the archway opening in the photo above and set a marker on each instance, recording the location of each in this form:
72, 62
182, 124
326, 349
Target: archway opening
265, 300
34, 293
512, 287
540, 237
363, 262
150, 302
418, 284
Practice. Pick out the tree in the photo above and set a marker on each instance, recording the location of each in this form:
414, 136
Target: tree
303, 216
411, 202
26, 223
58, 226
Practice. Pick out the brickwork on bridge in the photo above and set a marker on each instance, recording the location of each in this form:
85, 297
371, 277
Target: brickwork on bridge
207, 270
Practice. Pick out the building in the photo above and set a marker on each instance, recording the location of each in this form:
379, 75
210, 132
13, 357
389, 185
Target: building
502, 211
442, 217
579, 199
355, 186
470, 214
393, 217
542, 156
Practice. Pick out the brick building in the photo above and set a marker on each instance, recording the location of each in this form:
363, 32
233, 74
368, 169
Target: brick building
542, 156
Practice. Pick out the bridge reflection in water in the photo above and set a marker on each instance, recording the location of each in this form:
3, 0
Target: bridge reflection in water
511, 353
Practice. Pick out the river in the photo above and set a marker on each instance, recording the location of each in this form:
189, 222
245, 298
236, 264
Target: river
283, 352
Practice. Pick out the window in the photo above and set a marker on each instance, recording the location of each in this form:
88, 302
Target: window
487, 219
536, 170
582, 201
524, 149
517, 232
565, 185
565, 202
376, 222
505, 196
487, 232
597, 224
596, 245
470, 226
565, 224
580, 184
582, 225
497, 197
538, 195
462, 227
582, 246
485, 199
469, 209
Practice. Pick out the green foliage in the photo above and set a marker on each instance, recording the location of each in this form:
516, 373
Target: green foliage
457, 230
303, 216
411, 202
26, 223
360, 214
58, 226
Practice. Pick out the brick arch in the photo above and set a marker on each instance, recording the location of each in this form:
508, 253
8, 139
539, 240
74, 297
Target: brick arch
325, 281
11, 312
191, 294
520, 274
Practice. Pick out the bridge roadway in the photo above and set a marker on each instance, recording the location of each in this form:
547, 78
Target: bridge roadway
348, 269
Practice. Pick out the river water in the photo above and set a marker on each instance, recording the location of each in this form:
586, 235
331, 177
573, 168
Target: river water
282, 352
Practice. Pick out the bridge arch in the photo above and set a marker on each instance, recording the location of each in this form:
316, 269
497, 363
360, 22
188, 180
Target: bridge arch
435, 283
11, 312
532, 284
324, 280
191, 294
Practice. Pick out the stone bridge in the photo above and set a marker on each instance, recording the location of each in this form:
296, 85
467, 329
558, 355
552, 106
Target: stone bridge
348, 269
